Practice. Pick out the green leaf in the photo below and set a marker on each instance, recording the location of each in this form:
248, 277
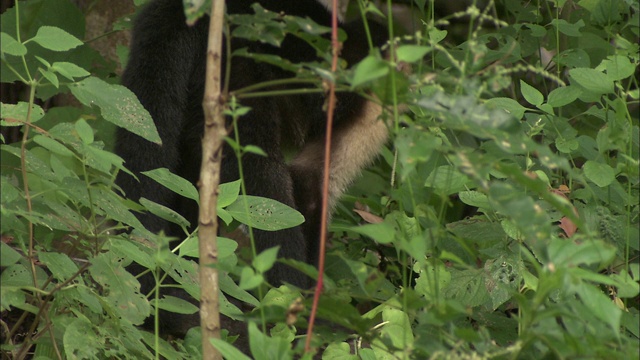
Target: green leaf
51, 76
509, 105
129, 250
175, 305
265, 260
382, 233
447, 180
12, 296
60, 265
600, 305
56, 39
411, 53
8, 256
122, 288
264, 347
85, 131
436, 35
592, 80
174, 183
249, 279
118, 105
567, 146
468, 287
113, 207
536, 30
264, 214
164, 212
226, 247
227, 350
11, 46
16, 114
566, 253
601, 174
228, 193
563, 96
397, 328
567, 28
69, 70
80, 328
52, 145
474, 198
618, 67
531, 94
369, 69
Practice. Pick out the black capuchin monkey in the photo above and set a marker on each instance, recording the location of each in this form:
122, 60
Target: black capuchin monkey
166, 70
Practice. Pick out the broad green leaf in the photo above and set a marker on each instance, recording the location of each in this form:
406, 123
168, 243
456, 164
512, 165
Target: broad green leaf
397, 328
467, 287
52, 145
592, 80
16, 114
264, 347
227, 350
122, 288
567, 146
118, 105
447, 179
264, 214
509, 105
11, 46
563, 96
478, 230
382, 233
369, 69
129, 250
566, 253
249, 279
474, 198
174, 183
600, 305
165, 349
568, 28
8, 256
432, 280
113, 207
503, 279
339, 351
174, 305
618, 67
85, 131
51, 76
265, 260
411, 53
226, 247
601, 174
80, 328
537, 30
60, 265
531, 94
228, 193
230, 288
436, 35
56, 39
164, 212
69, 70
12, 296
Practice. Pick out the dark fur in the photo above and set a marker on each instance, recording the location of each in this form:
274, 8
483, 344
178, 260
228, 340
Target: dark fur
166, 71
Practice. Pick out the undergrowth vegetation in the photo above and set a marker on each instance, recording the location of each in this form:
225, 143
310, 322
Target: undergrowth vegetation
500, 222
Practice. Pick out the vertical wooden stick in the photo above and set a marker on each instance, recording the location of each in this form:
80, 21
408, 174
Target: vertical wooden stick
213, 139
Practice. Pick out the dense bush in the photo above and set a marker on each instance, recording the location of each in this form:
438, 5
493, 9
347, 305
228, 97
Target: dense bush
501, 221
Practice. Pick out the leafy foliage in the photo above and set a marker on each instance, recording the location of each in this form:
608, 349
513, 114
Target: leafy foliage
502, 221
